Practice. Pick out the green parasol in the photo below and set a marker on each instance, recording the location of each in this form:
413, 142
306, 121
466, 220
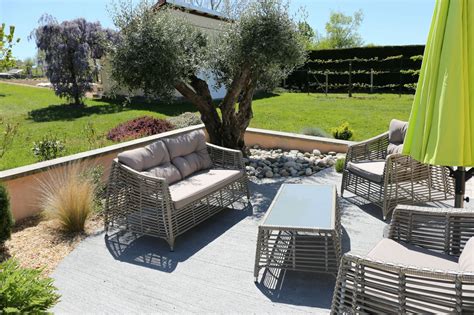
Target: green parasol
441, 125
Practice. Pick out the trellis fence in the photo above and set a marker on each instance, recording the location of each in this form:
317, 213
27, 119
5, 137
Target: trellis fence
385, 69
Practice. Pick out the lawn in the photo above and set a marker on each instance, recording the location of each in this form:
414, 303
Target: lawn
39, 112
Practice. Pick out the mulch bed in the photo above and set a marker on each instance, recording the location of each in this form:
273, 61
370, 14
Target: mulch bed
40, 244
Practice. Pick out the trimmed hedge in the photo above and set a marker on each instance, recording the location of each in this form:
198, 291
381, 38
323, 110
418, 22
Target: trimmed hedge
396, 69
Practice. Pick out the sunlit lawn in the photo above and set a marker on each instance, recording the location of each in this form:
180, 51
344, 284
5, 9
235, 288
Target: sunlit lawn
39, 112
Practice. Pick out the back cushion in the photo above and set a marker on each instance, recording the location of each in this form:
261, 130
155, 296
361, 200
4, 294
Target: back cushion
166, 170
145, 158
397, 131
466, 260
188, 152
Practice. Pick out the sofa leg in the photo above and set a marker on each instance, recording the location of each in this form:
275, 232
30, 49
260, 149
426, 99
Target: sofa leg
171, 244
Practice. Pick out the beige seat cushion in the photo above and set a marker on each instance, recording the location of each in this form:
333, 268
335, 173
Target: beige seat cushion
388, 250
201, 184
188, 152
371, 170
166, 170
466, 260
145, 158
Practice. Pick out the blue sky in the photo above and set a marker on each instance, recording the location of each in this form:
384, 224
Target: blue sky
386, 22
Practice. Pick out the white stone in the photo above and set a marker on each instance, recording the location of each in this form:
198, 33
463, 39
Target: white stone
316, 152
269, 174
308, 171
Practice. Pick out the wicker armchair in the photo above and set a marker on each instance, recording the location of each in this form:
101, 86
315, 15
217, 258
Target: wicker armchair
370, 285
387, 180
144, 204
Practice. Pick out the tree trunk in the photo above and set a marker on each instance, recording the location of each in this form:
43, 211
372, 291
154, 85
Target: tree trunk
228, 129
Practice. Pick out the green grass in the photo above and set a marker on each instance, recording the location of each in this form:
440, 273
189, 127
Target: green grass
39, 111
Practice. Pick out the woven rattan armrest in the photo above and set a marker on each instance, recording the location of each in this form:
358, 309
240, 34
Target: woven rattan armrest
442, 229
225, 158
371, 149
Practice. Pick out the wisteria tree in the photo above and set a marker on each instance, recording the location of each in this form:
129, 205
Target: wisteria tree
159, 52
70, 51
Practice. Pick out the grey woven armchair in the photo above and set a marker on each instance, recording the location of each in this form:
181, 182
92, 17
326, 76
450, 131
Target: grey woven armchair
147, 203
426, 265
386, 180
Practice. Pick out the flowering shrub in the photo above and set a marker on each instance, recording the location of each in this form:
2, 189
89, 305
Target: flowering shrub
343, 132
139, 127
50, 147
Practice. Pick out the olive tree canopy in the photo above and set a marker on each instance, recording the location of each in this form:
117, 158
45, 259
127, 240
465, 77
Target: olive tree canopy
159, 52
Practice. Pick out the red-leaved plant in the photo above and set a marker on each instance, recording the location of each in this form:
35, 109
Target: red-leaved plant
139, 127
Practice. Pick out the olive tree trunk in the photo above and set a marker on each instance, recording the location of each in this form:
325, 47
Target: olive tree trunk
227, 129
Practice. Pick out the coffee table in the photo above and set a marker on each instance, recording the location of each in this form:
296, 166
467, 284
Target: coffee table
301, 230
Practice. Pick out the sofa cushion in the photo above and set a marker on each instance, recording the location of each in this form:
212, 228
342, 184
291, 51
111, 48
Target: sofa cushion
394, 148
185, 144
192, 162
147, 157
397, 131
201, 184
188, 152
166, 170
371, 170
390, 251
466, 260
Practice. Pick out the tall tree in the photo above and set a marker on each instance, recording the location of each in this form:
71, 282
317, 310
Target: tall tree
342, 31
159, 52
307, 33
70, 49
7, 41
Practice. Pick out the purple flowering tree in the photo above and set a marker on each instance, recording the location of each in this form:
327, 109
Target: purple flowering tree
71, 50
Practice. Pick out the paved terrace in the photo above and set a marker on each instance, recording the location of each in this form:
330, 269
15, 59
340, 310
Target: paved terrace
211, 270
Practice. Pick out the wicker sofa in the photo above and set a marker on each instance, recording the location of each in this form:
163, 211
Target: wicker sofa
376, 170
173, 184
426, 265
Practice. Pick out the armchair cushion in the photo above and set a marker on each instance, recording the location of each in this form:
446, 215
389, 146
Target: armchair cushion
394, 148
167, 171
188, 152
466, 260
388, 250
371, 170
397, 131
147, 157
200, 185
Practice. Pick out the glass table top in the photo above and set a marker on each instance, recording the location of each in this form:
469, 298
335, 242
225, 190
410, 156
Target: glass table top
303, 206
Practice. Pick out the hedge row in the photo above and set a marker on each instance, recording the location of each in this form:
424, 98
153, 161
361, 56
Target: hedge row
394, 68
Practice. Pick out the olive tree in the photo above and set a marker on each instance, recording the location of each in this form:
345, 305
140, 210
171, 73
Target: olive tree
158, 52
70, 49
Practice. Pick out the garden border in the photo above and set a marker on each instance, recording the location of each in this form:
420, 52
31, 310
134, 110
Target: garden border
22, 182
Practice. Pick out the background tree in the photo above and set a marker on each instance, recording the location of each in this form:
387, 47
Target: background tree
159, 52
231, 8
307, 33
7, 41
69, 49
341, 31
28, 64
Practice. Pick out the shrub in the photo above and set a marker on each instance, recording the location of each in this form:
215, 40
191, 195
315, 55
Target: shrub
315, 131
339, 166
185, 120
49, 147
139, 127
6, 219
93, 137
24, 290
95, 174
69, 197
343, 132
7, 133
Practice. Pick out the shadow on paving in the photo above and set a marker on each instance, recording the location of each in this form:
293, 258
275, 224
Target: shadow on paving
297, 288
154, 253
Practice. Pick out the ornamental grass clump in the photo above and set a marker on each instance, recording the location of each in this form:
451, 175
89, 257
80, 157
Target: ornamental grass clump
68, 197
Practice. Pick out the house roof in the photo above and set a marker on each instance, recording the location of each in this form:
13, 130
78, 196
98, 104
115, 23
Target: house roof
192, 9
